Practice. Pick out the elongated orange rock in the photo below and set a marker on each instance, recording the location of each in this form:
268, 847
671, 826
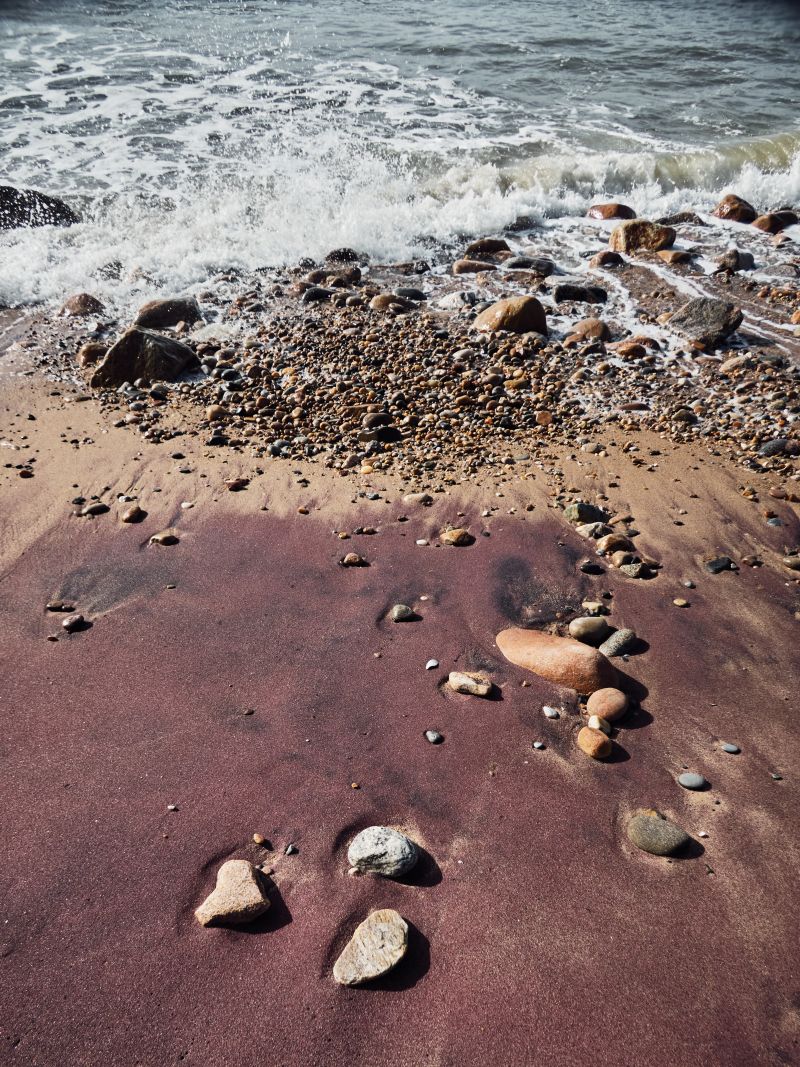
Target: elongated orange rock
558, 659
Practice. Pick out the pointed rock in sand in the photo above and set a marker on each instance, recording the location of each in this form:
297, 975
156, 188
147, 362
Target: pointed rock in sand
378, 945
239, 896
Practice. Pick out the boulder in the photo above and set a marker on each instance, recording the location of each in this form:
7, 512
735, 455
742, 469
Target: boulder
561, 660
143, 354
607, 258
775, 221
90, 353
158, 314
517, 314
378, 945
239, 897
579, 294
26, 207
486, 246
707, 320
610, 211
641, 235
472, 266
382, 850
81, 304
734, 209
655, 833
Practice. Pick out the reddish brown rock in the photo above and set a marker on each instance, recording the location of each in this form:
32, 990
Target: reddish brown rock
594, 329
674, 255
471, 266
734, 209
158, 314
561, 660
610, 704
610, 211
641, 235
143, 354
775, 221
606, 258
594, 743
486, 246
82, 304
517, 314
90, 353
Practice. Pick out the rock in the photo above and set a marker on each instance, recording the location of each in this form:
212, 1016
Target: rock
141, 353
707, 320
591, 629
775, 221
680, 218
591, 329
158, 314
610, 211
423, 499
690, 780
735, 260
594, 743
609, 704
239, 896
133, 514
472, 266
580, 512
434, 737
595, 722
674, 256
164, 537
558, 659
538, 264
654, 833
81, 304
579, 294
614, 542
431, 665
477, 685
734, 209
317, 294
391, 302
778, 445
517, 314
551, 713
90, 353
486, 246
26, 207
638, 235
403, 613
719, 564
352, 559
378, 945
458, 537
620, 642
606, 258
73, 623
730, 748
792, 562
382, 850
342, 255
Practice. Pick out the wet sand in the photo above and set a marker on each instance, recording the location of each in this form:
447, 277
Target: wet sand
539, 933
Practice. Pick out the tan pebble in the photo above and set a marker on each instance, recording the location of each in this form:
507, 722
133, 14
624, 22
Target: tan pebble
679, 602
594, 743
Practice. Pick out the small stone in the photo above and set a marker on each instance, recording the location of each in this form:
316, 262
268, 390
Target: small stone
690, 780
164, 537
352, 559
551, 713
730, 748
378, 945
133, 514
73, 623
591, 629
291, 850
172, 807
458, 537
620, 642
477, 685
431, 665
610, 704
258, 839
382, 850
580, 513
434, 737
538, 745
594, 743
97, 508
239, 896
654, 833
595, 722
720, 564
679, 602
403, 613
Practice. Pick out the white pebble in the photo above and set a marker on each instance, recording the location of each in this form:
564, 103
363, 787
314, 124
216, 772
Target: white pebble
431, 664
422, 541
551, 713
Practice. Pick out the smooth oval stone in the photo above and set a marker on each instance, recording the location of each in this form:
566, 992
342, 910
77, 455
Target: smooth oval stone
378, 945
656, 834
730, 748
594, 743
620, 642
690, 780
477, 685
609, 704
558, 659
591, 629
382, 850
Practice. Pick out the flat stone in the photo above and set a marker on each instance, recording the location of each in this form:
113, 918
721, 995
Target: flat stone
730, 748
378, 945
590, 629
620, 642
690, 780
610, 704
720, 564
382, 850
707, 320
558, 659
238, 898
654, 833
164, 537
477, 685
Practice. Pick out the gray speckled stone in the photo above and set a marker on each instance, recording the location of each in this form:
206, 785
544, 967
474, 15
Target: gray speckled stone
382, 850
654, 833
730, 748
377, 945
620, 642
690, 780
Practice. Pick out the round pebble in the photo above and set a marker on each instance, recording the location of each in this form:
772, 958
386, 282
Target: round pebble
730, 748
538, 745
690, 780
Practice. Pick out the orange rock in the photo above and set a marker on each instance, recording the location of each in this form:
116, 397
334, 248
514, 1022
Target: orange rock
606, 258
734, 209
486, 246
517, 314
609, 704
471, 266
674, 255
775, 221
639, 234
610, 211
595, 329
594, 743
561, 660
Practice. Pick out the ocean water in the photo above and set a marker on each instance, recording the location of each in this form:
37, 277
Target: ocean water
199, 135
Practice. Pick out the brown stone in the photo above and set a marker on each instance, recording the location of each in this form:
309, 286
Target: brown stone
158, 314
638, 235
390, 302
459, 537
471, 266
775, 221
90, 353
141, 353
594, 743
610, 211
561, 660
82, 304
734, 209
378, 945
517, 314
607, 258
610, 704
486, 246
594, 329
674, 255
238, 898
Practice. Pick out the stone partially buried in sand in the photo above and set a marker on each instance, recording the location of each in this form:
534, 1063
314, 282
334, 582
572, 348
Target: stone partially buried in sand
238, 898
143, 354
477, 685
561, 660
516, 314
655, 833
382, 850
378, 945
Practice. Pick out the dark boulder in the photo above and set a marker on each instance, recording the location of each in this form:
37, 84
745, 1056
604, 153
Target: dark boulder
579, 294
158, 314
26, 207
144, 354
707, 320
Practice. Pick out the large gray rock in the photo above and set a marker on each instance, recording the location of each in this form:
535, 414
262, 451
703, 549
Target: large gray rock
382, 850
654, 833
378, 945
707, 320
238, 898
143, 354
26, 207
